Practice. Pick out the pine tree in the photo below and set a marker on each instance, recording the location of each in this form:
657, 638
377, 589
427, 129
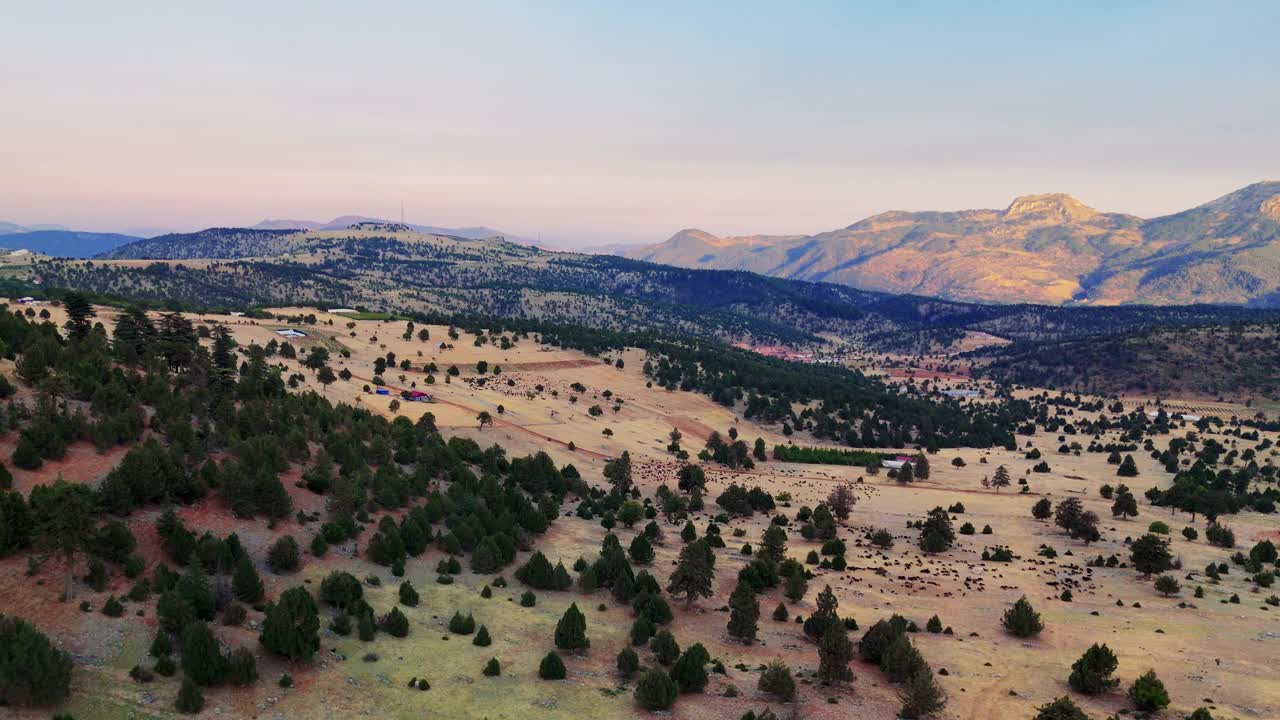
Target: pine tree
1150, 554
744, 612
694, 572
774, 545
292, 627
776, 679
665, 648
834, 653
245, 582
202, 658
394, 623
936, 533
618, 473
408, 594
1001, 478
901, 660
656, 690
921, 466
242, 668
641, 550
1148, 694
825, 614
551, 667
161, 645
797, 584
1022, 620
79, 311
628, 662
1091, 674
1128, 468
32, 671
921, 696
195, 589
877, 638
689, 671
1125, 505
571, 631
190, 700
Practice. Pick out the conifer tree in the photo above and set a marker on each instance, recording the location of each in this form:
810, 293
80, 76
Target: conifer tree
744, 612
202, 659
245, 582
571, 631
292, 626
1022, 620
834, 653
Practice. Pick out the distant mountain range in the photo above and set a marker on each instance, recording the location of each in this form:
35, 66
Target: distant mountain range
1042, 248
59, 241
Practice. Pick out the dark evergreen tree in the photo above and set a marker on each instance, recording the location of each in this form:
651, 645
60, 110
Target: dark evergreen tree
665, 648
245, 582
202, 659
1022, 620
744, 613
628, 662
776, 680
921, 696
1148, 694
190, 700
292, 626
551, 667
32, 671
774, 544
656, 690
689, 671
834, 653
1150, 554
1091, 674
694, 572
242, 668
571, 631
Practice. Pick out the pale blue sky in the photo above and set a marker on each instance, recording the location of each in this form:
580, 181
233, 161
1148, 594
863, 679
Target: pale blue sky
601, 122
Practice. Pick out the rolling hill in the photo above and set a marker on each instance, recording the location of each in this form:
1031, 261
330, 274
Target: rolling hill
345, 221
393, 268
1049, 249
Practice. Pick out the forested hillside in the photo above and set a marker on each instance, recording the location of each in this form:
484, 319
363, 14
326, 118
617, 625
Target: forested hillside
1240, 360
386, 268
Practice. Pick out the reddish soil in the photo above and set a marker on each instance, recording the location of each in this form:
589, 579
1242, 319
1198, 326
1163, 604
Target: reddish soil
688, 426
499, 421
82, 465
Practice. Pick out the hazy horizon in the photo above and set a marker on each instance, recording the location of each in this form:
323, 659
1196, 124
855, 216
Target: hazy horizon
585, 124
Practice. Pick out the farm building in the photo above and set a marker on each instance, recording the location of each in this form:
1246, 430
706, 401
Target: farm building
291, 333
897, 462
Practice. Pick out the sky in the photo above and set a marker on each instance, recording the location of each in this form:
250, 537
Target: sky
585, 123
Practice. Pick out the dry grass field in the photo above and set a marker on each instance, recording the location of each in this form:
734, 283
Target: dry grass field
1206, 650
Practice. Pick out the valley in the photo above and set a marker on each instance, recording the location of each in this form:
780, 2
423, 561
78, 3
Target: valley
582, 410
